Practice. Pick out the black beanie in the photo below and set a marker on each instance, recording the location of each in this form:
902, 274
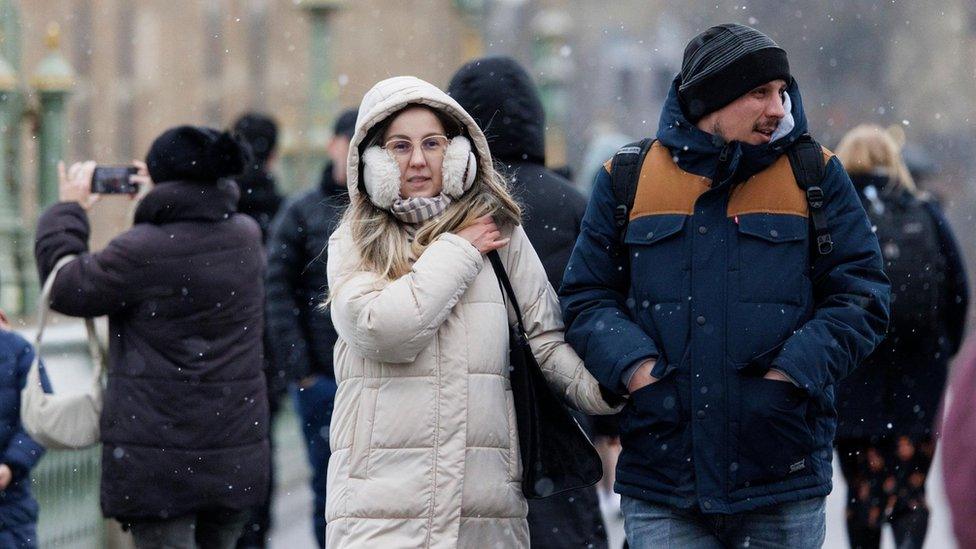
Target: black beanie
260, 132
195, 153
725, 62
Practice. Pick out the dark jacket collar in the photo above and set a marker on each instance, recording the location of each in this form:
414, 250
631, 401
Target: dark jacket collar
174, 201
259, 194
328, 185
699, 152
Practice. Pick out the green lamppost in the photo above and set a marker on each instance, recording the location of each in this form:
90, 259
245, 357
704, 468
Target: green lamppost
9, 200
304, 154
554, 69
53, 81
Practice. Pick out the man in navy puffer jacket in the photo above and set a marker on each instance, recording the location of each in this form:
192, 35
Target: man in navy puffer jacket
18, 452
713, 312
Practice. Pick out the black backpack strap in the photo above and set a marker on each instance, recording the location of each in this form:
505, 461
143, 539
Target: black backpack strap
624, 174
807, 161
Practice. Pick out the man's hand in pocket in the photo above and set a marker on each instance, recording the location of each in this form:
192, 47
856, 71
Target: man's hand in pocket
777, 375
642, 377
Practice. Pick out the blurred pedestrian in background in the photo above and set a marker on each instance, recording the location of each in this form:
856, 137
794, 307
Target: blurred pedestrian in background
603, 144
184, 426
18, 452
424, 435
297, 283
887, 409
260, 200
500, 95
959, 449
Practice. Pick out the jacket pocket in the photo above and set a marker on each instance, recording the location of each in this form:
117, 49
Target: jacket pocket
773, 258
657, 249
774, 438
359, 454
653, 428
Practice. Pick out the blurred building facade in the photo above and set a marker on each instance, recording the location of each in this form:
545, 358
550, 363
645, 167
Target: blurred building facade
142, 66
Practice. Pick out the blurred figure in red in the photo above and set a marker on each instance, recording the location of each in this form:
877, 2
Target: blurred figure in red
959, 451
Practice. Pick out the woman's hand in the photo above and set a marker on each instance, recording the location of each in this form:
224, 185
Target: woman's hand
74, 185
484, 235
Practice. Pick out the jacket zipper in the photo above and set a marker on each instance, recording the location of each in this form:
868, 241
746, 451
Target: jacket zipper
722, 167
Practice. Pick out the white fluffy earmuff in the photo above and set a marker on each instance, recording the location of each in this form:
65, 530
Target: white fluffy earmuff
381, 175
460, 167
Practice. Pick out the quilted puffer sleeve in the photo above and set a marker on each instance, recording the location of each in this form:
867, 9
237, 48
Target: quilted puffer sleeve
393, 321
560, 364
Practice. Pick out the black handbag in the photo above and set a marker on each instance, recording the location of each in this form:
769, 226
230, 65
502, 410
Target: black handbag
557, 456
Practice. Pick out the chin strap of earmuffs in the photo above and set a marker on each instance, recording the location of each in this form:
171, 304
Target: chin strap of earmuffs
381, 173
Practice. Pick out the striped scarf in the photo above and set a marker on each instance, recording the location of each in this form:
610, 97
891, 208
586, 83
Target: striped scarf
417, 209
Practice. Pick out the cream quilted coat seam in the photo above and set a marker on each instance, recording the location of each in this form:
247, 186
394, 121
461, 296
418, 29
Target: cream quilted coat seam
364, 341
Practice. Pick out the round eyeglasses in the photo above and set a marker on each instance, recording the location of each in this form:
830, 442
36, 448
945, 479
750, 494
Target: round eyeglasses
432, 146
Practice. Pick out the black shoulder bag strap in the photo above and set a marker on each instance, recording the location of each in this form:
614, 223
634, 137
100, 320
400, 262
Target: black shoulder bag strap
807, 161
624, 175
556, 454
496, 264
506, 284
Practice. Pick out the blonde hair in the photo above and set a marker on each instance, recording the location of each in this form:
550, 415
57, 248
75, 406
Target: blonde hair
870, 149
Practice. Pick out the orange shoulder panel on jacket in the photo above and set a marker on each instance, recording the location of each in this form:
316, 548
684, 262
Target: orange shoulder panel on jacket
664, 188
773, 190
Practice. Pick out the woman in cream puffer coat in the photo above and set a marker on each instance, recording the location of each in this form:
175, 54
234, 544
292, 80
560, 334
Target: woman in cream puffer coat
424, 443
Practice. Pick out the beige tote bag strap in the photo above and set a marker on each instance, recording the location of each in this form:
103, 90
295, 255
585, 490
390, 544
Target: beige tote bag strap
95, 348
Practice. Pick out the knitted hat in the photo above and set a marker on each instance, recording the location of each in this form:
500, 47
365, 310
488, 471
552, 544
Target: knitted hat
195, 153
725, 62
260, 132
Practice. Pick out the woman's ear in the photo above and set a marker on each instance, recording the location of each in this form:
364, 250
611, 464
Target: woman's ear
460, 167
381, 175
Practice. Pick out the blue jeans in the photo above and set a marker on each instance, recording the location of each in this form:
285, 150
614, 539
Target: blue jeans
314, 405
797, 525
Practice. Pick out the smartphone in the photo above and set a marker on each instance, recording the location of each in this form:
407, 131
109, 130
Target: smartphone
114, 180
